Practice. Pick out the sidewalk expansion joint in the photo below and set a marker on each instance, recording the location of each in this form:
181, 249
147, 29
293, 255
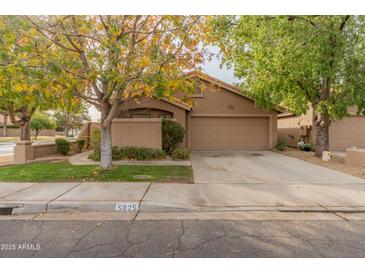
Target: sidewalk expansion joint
139, 210
67, 191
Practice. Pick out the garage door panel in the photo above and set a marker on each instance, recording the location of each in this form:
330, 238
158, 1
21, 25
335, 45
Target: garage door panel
229, 133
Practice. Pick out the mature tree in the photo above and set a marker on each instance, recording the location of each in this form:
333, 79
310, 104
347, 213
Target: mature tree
120, 57
41, 121
24, 82
71, 119
298, 62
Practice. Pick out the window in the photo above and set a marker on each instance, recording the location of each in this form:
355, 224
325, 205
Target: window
141, 115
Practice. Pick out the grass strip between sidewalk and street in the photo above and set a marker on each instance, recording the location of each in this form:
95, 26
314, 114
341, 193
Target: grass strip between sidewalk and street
65, 172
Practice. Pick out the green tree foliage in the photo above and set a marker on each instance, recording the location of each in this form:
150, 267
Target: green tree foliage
298, 62
41, 121
71, 119
121, 57
25, 84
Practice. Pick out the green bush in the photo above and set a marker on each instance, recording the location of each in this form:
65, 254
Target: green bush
180, 154
281, 145
140, 153
95, 141
62, 146
172, 135
306, 147
115, 153
132, 153
80, 144
94, 156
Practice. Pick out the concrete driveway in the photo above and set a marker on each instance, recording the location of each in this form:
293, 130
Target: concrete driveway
261, 167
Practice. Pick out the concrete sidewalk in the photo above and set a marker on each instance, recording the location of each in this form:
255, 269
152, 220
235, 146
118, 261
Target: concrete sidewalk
165, 197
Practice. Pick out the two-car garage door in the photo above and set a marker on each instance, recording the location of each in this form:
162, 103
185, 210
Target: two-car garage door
229, 133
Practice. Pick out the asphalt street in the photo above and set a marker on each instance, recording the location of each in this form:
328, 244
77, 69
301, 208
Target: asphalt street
6, 148
182, 238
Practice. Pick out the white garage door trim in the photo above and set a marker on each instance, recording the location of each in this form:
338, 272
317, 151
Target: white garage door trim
225, 115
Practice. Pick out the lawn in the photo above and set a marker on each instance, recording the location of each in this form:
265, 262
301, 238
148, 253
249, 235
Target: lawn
65, 172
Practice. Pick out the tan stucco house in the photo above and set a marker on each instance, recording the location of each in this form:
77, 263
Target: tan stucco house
347, 133
221, 118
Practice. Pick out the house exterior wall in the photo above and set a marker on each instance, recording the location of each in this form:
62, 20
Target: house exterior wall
222, 103
346, 133
157, 106
140, 132
292, 128
253, 127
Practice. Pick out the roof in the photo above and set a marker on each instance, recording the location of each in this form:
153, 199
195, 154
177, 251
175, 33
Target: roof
286, 114
222, 84
177, 102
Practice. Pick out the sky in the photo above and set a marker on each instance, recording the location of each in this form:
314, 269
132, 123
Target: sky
211, 67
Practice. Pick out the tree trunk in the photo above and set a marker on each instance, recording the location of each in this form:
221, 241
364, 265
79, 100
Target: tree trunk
5, 125
25, 131
322, 133
36, 133
67, 130
68, 125
106, 146
25, 124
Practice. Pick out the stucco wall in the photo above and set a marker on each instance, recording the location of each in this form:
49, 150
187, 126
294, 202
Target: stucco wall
346, 133
292, 128
179, 114
15, 132
41, 150
141, 132
26, 151
219, 102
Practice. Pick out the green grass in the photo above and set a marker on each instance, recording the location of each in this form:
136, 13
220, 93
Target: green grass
65, 172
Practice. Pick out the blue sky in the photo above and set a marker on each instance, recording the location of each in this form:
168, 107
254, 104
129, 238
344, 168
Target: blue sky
210, 67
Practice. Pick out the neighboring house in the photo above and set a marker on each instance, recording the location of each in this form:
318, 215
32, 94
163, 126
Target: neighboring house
222, 117
348, 132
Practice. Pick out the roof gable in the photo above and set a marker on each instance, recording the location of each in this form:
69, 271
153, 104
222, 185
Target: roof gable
232, 88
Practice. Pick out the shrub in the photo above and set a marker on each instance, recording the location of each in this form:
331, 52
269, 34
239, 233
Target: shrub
180, 154
281, 145
62, 146
132, 153
172, 135
95, 141
94, 156
140, 153
115, 153
306, 147
80, 144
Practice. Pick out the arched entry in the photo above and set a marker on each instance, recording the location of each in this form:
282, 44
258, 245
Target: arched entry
146, 113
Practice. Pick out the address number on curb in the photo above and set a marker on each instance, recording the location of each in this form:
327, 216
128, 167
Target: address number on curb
127, 207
